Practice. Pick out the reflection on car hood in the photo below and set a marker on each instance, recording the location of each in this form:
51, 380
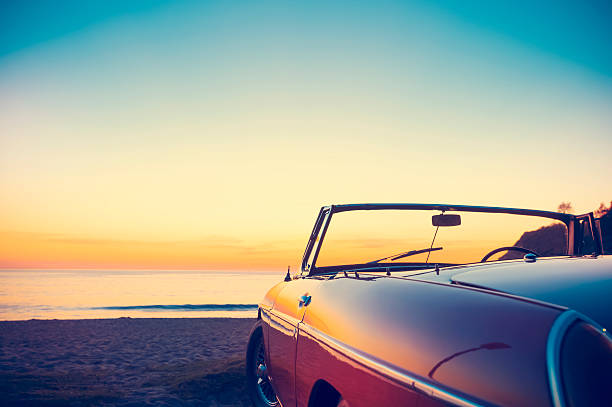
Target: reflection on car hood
580, 283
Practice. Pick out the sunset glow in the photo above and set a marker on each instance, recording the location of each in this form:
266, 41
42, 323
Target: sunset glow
206, 135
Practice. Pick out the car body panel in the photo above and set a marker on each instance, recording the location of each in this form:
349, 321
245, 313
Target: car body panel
580, 283
436, 332
347, 376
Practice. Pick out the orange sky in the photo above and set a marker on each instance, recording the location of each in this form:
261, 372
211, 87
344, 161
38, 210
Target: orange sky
27, 250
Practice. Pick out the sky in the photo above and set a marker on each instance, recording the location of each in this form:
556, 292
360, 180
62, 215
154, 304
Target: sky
206, 135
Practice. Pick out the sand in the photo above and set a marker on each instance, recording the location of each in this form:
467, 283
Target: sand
124, 362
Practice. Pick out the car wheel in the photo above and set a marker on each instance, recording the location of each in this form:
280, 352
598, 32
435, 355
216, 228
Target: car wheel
258, 384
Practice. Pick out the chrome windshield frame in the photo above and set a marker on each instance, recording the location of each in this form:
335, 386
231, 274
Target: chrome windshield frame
326, 213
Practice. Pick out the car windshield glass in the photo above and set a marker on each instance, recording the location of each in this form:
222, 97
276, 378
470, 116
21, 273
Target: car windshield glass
407, 236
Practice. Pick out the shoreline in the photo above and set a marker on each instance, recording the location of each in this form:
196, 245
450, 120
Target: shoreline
124, 361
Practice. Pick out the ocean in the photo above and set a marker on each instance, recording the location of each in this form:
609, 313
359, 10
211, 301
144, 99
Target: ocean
87, 294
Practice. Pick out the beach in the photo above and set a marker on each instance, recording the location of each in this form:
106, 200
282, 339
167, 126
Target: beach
124, 362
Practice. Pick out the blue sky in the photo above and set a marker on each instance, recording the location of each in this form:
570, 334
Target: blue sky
576, 31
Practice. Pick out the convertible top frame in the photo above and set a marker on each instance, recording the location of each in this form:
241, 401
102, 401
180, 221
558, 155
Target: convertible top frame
575, 225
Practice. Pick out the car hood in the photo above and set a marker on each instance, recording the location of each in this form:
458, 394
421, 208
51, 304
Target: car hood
580, 283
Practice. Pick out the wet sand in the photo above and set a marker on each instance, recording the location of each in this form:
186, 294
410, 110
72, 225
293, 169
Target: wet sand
124, 362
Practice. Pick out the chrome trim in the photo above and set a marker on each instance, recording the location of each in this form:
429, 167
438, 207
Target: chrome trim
264, 312
553, 350
563, 217
283, 323
387, 370
284, 317
283, 327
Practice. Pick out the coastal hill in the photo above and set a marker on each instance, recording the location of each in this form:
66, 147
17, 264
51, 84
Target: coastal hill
551, 240
545, 241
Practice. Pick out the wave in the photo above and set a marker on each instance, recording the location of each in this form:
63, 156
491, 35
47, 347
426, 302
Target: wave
183, 307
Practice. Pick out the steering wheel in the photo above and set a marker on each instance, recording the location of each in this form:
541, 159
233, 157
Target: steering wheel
501, 249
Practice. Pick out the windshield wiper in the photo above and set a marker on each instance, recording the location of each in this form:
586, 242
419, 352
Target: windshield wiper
406, 254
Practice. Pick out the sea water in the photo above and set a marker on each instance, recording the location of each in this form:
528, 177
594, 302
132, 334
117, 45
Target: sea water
85, 294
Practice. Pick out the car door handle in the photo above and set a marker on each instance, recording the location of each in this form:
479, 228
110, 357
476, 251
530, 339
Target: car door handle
304, 301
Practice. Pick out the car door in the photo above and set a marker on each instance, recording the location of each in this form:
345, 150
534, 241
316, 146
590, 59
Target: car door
287, 312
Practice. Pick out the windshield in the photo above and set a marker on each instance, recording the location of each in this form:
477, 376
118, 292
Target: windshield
395, 237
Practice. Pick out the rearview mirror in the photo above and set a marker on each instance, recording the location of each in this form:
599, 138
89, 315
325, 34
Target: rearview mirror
446, 220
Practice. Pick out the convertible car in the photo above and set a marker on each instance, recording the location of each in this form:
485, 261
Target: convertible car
439, 305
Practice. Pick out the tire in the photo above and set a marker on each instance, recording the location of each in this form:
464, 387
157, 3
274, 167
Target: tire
258, 385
